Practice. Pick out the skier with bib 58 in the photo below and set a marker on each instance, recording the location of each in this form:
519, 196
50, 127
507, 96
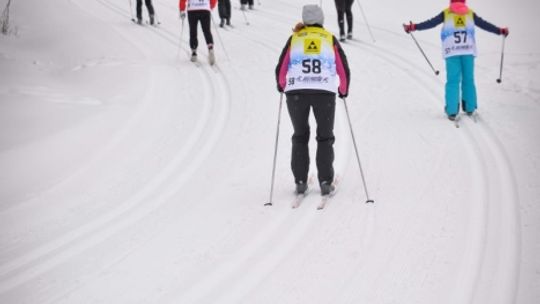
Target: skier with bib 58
312, 68
459, 50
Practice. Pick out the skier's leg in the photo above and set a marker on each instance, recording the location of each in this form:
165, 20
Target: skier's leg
340, 9
228, 11
193, 19
150, 7
139, 10
206, 20
324, 109
298, 106
468, 87
349, 17
453, 79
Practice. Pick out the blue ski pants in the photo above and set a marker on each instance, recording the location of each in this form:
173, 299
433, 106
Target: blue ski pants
460, 79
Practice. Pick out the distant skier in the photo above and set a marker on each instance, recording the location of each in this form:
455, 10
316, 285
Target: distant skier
224, 10
312, 68
243, 4
344, 8
199, 11
459, 50
150, 9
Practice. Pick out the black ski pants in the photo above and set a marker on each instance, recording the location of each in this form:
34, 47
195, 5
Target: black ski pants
224, 9
204, 17
324, 109
344, 8
149, 7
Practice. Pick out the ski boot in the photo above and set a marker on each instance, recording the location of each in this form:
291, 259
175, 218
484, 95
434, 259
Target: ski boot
349, 35
211, 57
222, 22
193, 56
152, 21
139, 20
301, 188
327, 188
342, 37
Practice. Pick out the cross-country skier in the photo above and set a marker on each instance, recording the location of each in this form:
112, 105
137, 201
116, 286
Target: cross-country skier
150, 9
199, 11
243, 4
344, 9
224, 10
312, 68
459, 50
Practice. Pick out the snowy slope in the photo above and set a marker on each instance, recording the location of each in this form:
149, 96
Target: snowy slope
130, 175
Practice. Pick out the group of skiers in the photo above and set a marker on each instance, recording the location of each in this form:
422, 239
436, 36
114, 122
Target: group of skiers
313, 68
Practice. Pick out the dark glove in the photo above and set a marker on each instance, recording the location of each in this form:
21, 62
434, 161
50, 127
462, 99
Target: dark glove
411, 27
182, 15
504, 31
343, 95
280, 89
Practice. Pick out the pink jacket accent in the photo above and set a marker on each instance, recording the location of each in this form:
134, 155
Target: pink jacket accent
340, 69
283, 69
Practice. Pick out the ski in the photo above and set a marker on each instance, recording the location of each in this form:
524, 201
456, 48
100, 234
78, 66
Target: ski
298, 199
456, 121
326, 197
474, 117
155, 23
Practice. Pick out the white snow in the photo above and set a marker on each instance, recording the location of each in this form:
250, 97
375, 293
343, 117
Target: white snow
130, 175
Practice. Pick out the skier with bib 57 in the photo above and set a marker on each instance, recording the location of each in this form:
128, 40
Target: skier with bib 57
459, 51
311, 69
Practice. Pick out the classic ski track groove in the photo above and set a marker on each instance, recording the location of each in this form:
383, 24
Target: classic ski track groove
490, 160
51, 254
495, 166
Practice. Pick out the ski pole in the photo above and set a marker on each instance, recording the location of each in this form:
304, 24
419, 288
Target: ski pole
181, 36
220, 40
365, 19
499, 80
368, 200
131, 10
275, 153
245, 17
421, 50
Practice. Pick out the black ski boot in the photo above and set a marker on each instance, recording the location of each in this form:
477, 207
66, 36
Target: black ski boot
327, 188
301, 187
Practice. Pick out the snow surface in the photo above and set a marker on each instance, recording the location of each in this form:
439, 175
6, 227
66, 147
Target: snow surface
130, 175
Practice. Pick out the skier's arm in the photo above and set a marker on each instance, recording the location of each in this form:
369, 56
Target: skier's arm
282, 66
342, 69
182, 5
486, 26
431, 23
